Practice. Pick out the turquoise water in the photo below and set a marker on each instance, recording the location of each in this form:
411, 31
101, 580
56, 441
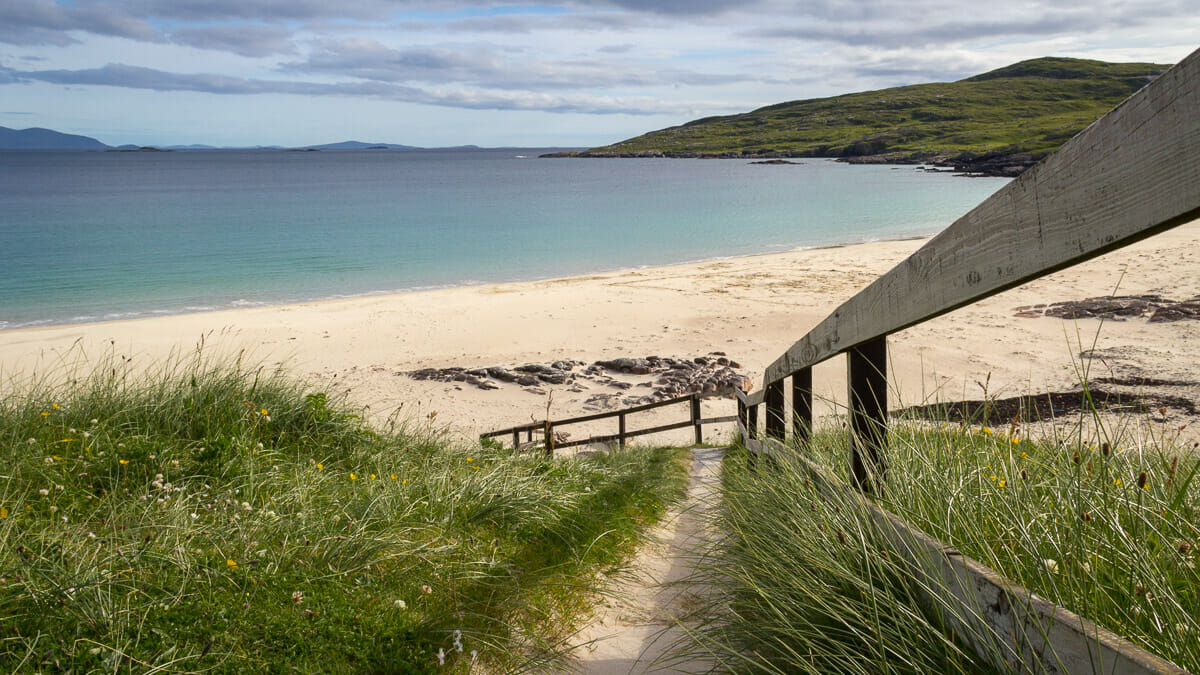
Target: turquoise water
90, 236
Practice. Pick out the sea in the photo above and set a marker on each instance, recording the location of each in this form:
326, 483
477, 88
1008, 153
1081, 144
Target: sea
98, 236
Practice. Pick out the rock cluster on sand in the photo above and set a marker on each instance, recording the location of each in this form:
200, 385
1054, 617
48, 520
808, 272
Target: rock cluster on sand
668, 377
1118, 307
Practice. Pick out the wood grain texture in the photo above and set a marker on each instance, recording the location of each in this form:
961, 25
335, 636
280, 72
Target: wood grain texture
1005, 624
1131, 174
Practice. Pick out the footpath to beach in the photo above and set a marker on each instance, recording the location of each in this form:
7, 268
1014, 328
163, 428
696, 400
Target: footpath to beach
635, 628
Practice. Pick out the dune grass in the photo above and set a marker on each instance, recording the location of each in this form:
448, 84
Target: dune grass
214, 517
1106, 529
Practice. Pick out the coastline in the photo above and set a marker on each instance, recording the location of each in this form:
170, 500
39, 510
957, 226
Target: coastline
243, 303
751, 308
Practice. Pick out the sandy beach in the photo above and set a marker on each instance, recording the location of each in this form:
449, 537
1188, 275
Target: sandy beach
750, 309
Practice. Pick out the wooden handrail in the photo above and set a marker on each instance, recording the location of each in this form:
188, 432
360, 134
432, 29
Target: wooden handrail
1133, 173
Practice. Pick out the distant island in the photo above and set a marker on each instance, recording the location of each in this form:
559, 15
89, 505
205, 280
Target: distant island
37, 138
997, 123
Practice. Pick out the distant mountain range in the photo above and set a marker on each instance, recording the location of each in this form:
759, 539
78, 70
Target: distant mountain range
999, 122
37, 138
46, 139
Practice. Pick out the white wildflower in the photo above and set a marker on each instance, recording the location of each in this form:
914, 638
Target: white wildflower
400, 604
441, 656
43, 492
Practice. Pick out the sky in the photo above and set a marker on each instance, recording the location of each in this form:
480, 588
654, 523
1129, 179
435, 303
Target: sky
565, 73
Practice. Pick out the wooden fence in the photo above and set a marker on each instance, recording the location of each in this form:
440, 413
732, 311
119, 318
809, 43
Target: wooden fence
1131, 174
546, 428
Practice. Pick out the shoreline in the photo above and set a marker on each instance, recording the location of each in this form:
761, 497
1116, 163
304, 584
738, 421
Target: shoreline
243, 304
751, 308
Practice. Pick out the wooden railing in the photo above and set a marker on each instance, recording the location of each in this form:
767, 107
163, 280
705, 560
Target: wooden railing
1133, 173
546, 428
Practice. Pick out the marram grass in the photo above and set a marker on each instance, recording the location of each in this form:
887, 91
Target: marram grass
209, 517
1106, 530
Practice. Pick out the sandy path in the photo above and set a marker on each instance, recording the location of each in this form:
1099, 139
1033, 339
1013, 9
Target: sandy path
633, 632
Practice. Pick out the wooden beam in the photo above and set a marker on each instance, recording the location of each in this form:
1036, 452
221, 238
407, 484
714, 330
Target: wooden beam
802, 412
696, 419
776, 419
1131, 174
1003, 623
867, 380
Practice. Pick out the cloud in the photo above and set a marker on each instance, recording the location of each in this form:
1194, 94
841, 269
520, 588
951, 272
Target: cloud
253, 40
685, 7
136, 77
45, 22
485, 67
889, 25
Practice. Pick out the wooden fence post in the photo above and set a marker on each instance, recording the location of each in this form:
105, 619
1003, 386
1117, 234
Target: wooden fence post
696, 418
516, 439
549, 440
867, 375
773, 397
752, 421
621, 429
802, 413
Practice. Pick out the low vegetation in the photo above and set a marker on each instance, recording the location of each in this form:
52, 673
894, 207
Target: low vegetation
1108, 529
1008, 117
217, 518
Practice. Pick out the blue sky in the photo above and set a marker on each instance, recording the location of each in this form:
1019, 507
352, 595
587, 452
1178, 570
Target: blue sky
569, 73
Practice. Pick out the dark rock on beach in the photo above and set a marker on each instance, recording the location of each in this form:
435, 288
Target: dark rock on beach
1155, 308
669, 377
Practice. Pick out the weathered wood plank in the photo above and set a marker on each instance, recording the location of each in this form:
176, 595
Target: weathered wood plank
1131, 174
1007, 625
776, 424
866, 380
802, 410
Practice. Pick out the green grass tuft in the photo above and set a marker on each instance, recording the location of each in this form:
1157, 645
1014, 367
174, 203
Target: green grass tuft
217, 517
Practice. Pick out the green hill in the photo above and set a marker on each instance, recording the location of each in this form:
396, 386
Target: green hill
999, 122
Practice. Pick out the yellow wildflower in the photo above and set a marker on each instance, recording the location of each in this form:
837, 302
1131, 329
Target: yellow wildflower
45, 414
263, 412
470, 459
372, 476
1015, 441
987, 430
123, 461
54, 405
353, 477
3, 513
393, 476
1002, 483
320, 466
230, 563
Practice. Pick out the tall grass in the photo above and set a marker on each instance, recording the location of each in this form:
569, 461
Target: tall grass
1108, 530
210, 516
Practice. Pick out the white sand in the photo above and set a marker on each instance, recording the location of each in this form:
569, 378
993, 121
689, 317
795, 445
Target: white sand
752, 308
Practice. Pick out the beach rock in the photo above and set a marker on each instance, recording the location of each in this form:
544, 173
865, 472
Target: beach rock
670, 377
1156, 308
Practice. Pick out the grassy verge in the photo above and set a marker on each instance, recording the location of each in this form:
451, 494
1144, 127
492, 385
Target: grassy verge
1104, 530
210, 517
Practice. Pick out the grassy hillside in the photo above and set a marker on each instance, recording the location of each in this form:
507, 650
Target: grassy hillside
998, 122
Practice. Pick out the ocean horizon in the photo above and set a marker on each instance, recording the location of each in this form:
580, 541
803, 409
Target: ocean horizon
100, 236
